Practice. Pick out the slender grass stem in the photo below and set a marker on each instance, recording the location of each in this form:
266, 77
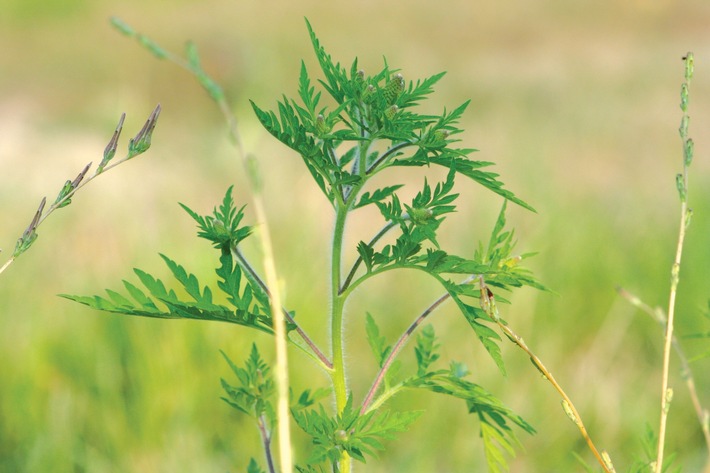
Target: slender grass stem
685, 213
567, 402
659, 316
666, 392
280, 339
7, 264
488, 305
80, 181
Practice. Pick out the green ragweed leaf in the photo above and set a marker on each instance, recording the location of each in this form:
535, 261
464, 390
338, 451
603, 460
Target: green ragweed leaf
425, 350
255, 389
223, 227
358, 435
495, 419
376, 196
159, 302
309, 398
377, 342
335, 74
312, 469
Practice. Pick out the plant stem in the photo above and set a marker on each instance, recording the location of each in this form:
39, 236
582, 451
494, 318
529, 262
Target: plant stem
337, 306
488, 305
685, 213
7, 264
666, 393
315, 351
266, 442
282, 383
358, 261
687, 374
391, 151
576, 418
80, 181
398, 346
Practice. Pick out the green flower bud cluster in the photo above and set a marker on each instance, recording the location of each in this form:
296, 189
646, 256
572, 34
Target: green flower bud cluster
393, 89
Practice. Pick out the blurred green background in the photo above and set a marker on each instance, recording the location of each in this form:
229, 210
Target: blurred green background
576, 102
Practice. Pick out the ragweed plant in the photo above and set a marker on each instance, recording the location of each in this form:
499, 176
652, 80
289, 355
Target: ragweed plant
348, 128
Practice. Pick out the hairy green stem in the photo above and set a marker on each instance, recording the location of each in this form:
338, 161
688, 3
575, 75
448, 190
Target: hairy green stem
337, 306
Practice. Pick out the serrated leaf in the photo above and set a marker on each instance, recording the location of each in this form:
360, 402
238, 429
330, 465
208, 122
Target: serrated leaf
367, 253
359, 435
495, 419
464, 166
202, 307
425, 349
255, 389
378, 343
376, 196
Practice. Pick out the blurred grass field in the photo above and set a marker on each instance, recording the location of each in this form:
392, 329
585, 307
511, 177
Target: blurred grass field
576, 103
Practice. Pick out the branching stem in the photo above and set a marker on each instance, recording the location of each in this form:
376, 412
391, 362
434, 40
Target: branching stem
244, 263
398, 347
518, 340
373, 166
659, 316
358, 261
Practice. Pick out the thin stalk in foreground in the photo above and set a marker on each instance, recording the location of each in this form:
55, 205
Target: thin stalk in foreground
666, 391
685, 214
280, 339
282, 382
